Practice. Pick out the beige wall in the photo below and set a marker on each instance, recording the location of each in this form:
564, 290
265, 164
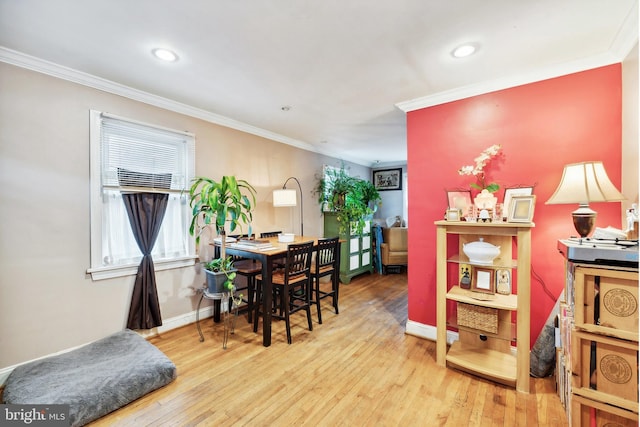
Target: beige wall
47, 301
630, 158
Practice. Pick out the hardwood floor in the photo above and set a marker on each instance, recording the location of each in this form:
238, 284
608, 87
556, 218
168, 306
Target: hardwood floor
358, 368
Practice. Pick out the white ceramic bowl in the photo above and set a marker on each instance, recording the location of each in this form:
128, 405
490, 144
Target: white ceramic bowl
286, 237
481, 252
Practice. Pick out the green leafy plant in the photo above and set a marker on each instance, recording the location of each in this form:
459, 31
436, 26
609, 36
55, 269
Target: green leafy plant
219, 203
352, 198
223, 265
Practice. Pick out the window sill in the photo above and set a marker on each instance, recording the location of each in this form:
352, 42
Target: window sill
101, 273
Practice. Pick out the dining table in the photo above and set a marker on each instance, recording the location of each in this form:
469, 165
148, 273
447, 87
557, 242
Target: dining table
267, 256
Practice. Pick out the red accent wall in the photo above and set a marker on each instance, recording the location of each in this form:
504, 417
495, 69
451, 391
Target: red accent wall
542, 126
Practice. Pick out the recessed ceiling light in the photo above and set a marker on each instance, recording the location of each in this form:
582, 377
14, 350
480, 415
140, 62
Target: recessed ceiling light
165, 54
464, 50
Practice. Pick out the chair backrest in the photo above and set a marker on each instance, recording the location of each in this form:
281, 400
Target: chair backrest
270, 234
326, 254
298, 261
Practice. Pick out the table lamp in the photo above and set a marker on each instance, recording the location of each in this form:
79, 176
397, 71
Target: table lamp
583, 183
286, 197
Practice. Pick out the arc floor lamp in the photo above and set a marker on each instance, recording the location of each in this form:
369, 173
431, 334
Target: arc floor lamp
287, 197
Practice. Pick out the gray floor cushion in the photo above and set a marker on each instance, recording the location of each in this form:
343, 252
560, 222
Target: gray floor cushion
95, 379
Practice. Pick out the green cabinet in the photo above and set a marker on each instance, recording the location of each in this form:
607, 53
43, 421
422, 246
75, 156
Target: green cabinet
355, 250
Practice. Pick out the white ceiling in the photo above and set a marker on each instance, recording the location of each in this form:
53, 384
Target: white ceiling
348, 69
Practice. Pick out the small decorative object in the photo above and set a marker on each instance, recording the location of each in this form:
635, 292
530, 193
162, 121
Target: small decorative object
484, 215
465, 276
285, 237
483, 280
481, 252
478, 171
485, 200
453, 215
521, 209
497, 213
503, 281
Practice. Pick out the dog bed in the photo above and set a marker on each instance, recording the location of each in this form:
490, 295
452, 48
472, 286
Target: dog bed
93, 380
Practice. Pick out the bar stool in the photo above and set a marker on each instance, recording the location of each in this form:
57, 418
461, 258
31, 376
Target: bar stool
326, 264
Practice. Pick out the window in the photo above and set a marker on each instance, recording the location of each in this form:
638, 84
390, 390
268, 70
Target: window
135, 157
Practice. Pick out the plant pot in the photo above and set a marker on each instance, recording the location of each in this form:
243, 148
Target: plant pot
215, 281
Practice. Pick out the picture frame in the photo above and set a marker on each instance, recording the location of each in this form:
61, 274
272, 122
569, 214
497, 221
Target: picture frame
483, 280
521, 209
387, 179
459, 199
508, 196
452, 215
503, 281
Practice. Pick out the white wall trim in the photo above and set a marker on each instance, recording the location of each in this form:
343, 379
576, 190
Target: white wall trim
427, 331
22, 60
505, 83
620, 47
167, 325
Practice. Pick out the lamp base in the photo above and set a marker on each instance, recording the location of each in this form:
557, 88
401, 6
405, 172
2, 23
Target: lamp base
584, 220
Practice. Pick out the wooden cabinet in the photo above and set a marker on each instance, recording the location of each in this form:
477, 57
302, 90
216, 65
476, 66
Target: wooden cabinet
355, 251
486, 328
598, 373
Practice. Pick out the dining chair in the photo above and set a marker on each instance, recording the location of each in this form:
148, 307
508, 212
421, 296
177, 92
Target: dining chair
270, 234
325, 264
249, 269
292, 287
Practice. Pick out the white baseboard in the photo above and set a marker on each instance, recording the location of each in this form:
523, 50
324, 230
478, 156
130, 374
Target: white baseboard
427, 331
167, 325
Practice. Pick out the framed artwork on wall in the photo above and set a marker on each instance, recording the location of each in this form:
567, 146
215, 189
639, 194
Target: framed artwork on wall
387, 179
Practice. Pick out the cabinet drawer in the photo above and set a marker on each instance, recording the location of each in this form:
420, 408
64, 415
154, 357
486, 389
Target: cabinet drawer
583, 412
612, 293
605, 369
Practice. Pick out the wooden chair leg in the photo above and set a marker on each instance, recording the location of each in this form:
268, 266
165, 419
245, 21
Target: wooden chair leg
285, 306
317, 298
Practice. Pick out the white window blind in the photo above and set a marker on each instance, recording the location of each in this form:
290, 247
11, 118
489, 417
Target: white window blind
129, 156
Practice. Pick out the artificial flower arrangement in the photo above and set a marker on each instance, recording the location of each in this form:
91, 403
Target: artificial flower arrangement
477, 170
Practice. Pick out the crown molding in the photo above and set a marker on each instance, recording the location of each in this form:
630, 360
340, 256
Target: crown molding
506, 83
620, 47
22, 60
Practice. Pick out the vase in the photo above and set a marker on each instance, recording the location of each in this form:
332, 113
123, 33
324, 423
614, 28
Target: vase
485, 200
216, 281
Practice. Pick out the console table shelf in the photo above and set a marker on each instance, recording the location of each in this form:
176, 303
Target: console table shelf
486, 352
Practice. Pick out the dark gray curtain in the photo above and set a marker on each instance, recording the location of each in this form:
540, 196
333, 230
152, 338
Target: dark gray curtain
146, 212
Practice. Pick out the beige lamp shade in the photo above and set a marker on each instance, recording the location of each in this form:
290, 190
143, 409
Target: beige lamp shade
583, 183
284, 197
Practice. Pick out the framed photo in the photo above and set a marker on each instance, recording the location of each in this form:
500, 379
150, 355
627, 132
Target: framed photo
508, 195
482, 280
503, 281
387, 179
521, 209
459, 199
453, 215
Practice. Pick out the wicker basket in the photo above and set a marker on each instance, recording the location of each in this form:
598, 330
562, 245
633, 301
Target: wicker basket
478, 317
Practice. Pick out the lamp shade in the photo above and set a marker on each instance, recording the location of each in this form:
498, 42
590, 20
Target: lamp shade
284, 197
583, 183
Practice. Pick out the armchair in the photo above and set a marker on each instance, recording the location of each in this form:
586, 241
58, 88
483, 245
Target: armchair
394, 247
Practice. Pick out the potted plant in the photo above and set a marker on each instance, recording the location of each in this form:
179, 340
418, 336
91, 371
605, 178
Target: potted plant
217, 203
353, 199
